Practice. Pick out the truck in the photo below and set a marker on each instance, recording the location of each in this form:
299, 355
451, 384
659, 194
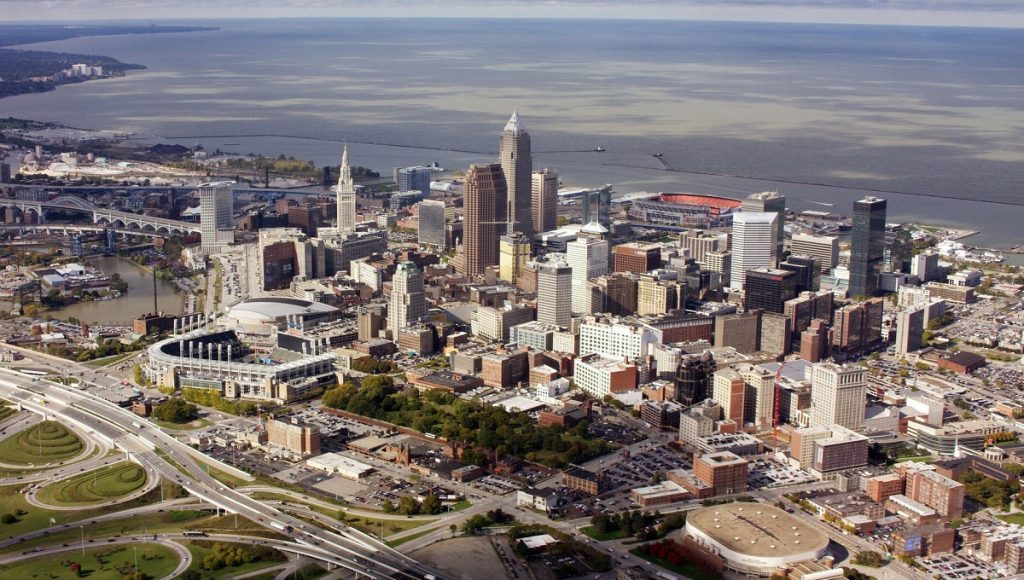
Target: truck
136, 424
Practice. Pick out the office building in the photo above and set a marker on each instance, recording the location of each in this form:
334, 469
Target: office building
698, 243
942, 494
753, 244
842, 449
693, 378
614, 339
495, 323
554, 294
513, 253
769, 202
517, 165
814, 342
431, 227
729, 391
484, 206
867, 246
838, 395
544, 193
614, 294
909, 330
588, 258
598, 375
408, 301
297, 439
824, 248
740, 331
414, 179
346, 192
724, 472
857, 328
807, 269
720, 264
657, 293
370, 321
636, 257
925, 266
216, 217
776, 335
768, 289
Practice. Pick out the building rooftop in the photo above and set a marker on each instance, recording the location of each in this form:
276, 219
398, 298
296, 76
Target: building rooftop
757, 529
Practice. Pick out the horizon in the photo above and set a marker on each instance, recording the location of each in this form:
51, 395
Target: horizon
1007, 14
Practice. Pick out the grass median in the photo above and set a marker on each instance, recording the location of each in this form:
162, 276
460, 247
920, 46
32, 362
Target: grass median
95, 487
99, 563
41, 444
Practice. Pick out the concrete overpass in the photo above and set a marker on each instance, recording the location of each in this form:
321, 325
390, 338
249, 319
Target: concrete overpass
100, 216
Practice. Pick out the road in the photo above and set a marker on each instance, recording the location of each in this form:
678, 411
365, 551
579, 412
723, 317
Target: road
346, 547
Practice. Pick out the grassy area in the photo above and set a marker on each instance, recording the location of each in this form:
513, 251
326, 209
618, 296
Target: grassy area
409, 538
918, 458
6, 411
372, 526
202, 551
46, 442
225, 477
461, 505
112, 359
1013, 519
197, 424
95, 487
604, 537
99, 563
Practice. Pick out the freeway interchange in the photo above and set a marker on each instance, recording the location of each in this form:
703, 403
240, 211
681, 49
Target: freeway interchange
164, 456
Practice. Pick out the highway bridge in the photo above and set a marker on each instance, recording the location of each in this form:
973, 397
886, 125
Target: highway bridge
177, 462
100, 216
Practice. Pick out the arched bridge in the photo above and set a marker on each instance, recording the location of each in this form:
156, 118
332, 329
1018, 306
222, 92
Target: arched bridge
100, 216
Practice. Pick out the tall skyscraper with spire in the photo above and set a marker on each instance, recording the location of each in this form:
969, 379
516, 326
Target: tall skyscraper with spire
517, 164
346, 197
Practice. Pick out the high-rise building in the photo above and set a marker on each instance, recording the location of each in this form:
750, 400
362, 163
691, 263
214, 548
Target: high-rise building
517, 163
770, 202
925, 266
5, 172
719, 263
544, 197
814, 342
484, 198
824, 248
808, 271
346, 192
724, 472
693, 378
614, 294
867, 247
408, 301
699, 242
414, 179
636, 257
768, 289
729, 390
216, 215
431, 223
554, 294
513, 253
909, 330
370, 321
297, 438
740, 331
838, 395
612, 339
656, 294
588, 258
753, 244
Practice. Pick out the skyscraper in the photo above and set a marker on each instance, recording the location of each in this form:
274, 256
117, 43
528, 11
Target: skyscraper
588, 258
768, 289
824, 248
484, 195
544, 195
517, 163
753, 244
554, 294
215, 215
514, 251
414, 179
431, 224
346, 197
838, 395
408, 303
770, 202
867, 247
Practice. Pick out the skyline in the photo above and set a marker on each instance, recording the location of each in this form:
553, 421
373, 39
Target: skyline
958, 13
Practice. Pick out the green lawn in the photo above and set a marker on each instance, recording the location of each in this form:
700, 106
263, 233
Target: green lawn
409, 538
918, 458
686, 569
202, 549
112, 359
197, 424
5, 411
604, 537
99, 563
95, 487
224, 477
461, 505
372, 526
46, 442
1013, 519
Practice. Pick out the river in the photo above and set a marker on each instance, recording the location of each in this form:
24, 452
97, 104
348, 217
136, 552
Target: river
136, 302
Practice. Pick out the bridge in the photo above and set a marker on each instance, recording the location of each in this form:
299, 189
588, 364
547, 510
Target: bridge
119, 220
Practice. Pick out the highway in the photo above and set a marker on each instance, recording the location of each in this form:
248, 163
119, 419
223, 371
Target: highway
347, 547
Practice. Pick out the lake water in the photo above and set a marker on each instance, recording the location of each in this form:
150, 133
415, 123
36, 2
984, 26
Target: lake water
138, 300
925, 111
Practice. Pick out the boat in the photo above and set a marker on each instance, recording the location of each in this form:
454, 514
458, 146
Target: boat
599, 149
821, 203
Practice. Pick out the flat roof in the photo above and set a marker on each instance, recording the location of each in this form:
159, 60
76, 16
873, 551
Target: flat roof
757, 529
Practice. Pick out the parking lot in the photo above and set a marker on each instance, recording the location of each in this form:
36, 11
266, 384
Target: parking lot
952, 566
765, 473
640, 469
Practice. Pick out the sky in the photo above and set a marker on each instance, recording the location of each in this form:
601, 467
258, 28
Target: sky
1003, 13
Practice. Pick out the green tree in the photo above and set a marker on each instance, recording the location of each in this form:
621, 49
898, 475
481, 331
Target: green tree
431, 505
408, 505
176, 410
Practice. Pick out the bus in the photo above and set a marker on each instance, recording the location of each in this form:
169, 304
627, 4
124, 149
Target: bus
194, 533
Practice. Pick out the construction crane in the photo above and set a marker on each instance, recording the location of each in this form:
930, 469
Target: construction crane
777, 410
